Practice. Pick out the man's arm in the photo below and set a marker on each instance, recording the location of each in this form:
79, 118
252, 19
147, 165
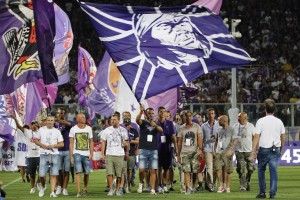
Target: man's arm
64, 122
254, 144
17, 123
282, 138
200, 144
103, 147
179, 146
71, 148
138, 119
232, 147
91, 148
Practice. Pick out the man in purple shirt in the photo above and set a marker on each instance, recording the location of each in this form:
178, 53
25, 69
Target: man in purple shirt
164, 148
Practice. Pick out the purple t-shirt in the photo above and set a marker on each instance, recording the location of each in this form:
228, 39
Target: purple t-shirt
64, 129
169, 131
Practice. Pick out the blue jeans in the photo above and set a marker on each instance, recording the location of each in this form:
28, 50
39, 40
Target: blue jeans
267, 156
148, 159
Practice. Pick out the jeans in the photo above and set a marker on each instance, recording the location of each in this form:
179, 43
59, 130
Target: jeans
267, 156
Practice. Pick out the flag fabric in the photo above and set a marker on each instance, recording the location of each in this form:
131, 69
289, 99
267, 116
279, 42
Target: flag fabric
5, 122
44, 18
86, 73
63, 44
157, 49
106, 81
33, 103
50, 96
213, 5
18, 47
126, 101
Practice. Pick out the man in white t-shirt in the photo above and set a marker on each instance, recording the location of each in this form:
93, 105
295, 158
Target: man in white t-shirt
33, 154
49, 139
270, 138
81, 151
244, 157
114, 139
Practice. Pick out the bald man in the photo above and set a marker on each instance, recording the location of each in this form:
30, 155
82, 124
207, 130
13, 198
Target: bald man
81, 151
224, 147
245, 132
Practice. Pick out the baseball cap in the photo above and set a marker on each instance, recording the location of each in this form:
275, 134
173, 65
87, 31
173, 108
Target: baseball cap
35, 123
127, 121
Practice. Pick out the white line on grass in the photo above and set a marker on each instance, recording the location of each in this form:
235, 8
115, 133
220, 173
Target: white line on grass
12, 182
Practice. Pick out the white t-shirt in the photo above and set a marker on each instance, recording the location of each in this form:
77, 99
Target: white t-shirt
114, 138
49, 137
33, 149
20, 148
244, 135
81, 139
270, 129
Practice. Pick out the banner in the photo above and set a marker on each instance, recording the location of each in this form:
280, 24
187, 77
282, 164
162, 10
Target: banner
97, 162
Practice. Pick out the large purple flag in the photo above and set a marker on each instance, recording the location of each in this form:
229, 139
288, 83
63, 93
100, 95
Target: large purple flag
44, 18
18, 47
106, 81
63, 44
86, 73
160, 48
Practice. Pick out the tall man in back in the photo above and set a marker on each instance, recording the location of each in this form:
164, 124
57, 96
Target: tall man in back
270, 137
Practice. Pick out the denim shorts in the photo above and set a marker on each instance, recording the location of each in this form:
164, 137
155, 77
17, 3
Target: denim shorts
64, 160
81, 164
45, 162
148, 159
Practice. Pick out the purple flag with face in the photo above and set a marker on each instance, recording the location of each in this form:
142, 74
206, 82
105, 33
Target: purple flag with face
86, 73
160, 48
44, 19
106, 82
63, 44
18, 47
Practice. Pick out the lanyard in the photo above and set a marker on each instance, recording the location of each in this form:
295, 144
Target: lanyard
241, 131
223, 135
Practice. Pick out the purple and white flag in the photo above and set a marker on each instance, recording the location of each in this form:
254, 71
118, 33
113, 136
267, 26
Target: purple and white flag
86, 73
33, 103
6, 128
106, 81
159, 48
44, 19
18, 46
63, 44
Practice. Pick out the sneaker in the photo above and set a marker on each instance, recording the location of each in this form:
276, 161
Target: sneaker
78, 195
152, 192
182, 190
220, 190
160, 190
272, 196
147, 189
119, 193
38, 186
171, 188
42, 192
84, 193
243, 188
127, 190
189, 191
58, 190
111, 193
32, 191
140, 189
65, 192
194, 190
228, 190
53, 195
199, 188
165, 189
261, 196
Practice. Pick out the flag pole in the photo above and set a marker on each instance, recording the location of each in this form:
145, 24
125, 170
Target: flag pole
47, 96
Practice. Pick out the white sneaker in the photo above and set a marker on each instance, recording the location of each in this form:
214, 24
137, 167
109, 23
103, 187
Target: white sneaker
53, 195
140, 189
65, 192
160, 190
38, 186
32, 191
111, 193
152, 192
127, 190
165, 189
42, 192
147, 189
58, 190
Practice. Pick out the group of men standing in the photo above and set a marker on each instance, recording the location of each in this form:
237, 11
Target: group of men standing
157, 144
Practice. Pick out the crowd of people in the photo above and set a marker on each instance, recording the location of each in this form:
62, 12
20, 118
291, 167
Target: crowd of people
202, 151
